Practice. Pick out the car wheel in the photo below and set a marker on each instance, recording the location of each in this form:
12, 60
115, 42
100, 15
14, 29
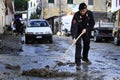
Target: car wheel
96, 39
116, 42
51, 40
26, 40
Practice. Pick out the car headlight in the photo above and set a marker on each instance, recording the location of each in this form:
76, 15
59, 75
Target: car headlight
48, 33
29, 32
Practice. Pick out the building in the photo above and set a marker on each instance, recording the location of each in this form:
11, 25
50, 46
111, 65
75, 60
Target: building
116, 9
7, 13
2, 16
54, 9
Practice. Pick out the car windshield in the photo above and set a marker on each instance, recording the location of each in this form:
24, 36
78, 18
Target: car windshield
38, 24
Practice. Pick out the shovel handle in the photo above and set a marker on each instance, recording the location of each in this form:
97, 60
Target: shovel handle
67, 50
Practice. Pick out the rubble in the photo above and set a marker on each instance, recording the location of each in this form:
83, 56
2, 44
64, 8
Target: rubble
8, 66
44, 72
59, 63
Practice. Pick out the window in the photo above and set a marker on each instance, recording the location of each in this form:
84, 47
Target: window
90, 2
50, 1
38, 24
30, 4
34, 4
70, 1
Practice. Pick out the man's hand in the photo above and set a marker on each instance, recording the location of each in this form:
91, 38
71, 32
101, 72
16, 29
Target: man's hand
84, 31
74, 41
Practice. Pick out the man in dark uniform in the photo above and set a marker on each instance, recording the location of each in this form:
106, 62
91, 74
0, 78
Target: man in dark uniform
82, 21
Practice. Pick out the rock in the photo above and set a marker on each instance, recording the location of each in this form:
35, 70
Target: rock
59, 33
114, 58
72, 63
47, 66
35, 61
6, 73
8, 66
61, 63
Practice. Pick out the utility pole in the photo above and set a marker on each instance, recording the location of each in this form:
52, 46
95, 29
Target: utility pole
106, 8
41, 1
40, 9
59, 15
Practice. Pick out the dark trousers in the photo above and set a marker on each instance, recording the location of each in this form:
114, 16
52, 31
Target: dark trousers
86, 46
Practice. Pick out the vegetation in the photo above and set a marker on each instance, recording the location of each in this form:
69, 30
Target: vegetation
21, 5
34, 16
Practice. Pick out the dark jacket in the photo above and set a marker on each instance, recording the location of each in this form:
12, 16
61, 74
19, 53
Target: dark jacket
80, 22
18, 24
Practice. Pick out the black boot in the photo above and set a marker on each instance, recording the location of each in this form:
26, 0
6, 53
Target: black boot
78, 63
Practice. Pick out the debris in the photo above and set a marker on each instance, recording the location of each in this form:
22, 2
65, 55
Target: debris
8, 66
47, 66
61, 63
114, 58
43, 72
59, 33
111, 52
6, 73
35, 61
70, 63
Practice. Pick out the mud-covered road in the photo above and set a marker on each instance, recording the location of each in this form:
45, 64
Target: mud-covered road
105, 58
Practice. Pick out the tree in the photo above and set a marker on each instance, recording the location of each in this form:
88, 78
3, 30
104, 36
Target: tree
34, 16
21, 5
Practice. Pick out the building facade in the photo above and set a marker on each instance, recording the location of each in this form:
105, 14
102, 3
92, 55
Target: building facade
2, 15
52, 9
116, 9
100, 5
56, 7
7, 13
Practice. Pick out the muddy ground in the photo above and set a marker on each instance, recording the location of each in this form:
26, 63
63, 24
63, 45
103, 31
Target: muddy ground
16, 58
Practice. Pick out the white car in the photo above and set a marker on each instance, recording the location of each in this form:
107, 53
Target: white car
38, 29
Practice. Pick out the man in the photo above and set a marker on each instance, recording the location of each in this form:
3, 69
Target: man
18, 24
82, 21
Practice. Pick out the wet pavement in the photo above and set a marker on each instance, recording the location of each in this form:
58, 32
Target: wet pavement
105, 58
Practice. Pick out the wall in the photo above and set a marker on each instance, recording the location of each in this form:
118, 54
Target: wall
32, 4
2, 16
52, 9
117, 23
100, 6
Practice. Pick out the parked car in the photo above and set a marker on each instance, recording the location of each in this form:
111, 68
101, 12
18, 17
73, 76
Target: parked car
38, 30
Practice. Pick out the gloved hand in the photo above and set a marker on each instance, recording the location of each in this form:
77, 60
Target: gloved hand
74, 41
84, 31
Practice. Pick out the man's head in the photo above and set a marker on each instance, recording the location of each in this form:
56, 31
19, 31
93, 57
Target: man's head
83, 8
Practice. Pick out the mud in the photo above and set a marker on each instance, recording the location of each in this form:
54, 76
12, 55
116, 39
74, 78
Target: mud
59, 63
10, 44
44, 72
9, 66
39, 59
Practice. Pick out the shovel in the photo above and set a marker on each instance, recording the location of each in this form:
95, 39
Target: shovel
68, 50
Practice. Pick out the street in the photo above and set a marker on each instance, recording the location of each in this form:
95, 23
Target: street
105, 58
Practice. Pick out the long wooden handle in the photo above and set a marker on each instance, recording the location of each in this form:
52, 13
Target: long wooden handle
67, 51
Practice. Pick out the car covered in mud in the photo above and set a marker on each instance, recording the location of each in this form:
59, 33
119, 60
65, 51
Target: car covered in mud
38, 30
